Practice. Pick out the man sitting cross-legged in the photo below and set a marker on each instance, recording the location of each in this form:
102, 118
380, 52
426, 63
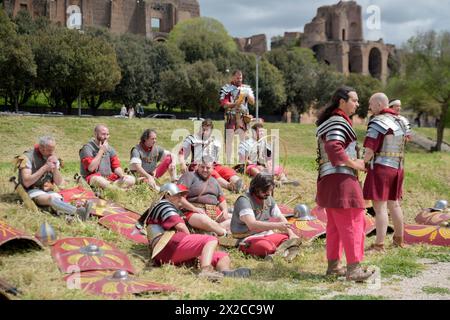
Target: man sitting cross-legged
250, 220
205, 207
171, 242
145, 157
39, 174
100, 165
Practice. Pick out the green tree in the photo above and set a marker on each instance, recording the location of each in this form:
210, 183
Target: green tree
71, 63
194, 86
299, 69
425, 80
133, 53
202, 39
365, 86
17, 65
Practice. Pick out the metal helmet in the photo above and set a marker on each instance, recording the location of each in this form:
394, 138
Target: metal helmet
46, 234
440, 205
120, 275
302, 212
171, 189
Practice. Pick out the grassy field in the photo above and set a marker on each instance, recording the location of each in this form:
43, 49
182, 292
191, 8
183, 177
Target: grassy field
35, 273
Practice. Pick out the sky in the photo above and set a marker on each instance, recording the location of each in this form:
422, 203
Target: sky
399, 19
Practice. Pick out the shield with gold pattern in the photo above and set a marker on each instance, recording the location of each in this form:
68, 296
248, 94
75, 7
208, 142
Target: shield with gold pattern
125, 225
434, 235
102, 208
87, 254
12, 236
321, 214
308, 229
433, 217
116, 284
76, 194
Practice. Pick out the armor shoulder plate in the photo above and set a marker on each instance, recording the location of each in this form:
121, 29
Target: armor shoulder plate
336, 128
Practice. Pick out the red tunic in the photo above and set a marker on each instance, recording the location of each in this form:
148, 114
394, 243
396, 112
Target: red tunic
382, 183
339, 190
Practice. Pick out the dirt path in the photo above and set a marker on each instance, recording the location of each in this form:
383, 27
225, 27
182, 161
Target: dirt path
435, 279
427, 143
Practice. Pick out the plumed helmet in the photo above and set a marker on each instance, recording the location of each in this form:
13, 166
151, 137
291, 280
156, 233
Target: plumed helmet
440, 205
302, 212
46, 234
172, 189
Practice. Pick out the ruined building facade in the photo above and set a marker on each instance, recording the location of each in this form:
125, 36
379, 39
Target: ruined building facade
336, 36
151, 18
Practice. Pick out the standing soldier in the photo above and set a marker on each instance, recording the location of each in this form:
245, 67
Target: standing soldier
234, 98
338, 188
384, 144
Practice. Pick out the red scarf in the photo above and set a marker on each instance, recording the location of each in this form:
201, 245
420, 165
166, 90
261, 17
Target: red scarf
389, 110
341, 113
146, 149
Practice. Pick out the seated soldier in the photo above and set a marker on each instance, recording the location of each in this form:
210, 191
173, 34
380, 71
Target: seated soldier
39, 174
171, 242
145, 157
256, 155
201, 145
205, 207
250, 220
100, 165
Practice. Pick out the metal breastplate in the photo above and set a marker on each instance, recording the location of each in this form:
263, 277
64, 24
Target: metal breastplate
326, 168
335, 128
392, 151
204, 149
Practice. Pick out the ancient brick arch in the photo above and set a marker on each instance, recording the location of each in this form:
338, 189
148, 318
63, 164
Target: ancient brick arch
376, 63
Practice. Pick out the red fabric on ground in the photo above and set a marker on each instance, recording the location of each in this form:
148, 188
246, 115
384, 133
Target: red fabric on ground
264, 245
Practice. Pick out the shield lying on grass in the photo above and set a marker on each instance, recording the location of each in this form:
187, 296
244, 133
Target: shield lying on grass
114, 284
435, 235
432, 217
76, 194
102, 208
309, 230
87, 254
14, 236
321, 214
125, 224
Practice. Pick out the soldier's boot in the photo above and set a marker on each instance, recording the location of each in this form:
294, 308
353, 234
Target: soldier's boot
376, 248
356, 273
334, 269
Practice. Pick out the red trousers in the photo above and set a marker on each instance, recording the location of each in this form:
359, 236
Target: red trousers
264, 245
345, 230
163, 166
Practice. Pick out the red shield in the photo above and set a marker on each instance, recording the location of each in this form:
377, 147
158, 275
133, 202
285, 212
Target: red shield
321, 214
435, 218
309, 230
102, 208
124, 224
435, 235
286, 211
87, 254
105, 283
11, 235
76, 194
